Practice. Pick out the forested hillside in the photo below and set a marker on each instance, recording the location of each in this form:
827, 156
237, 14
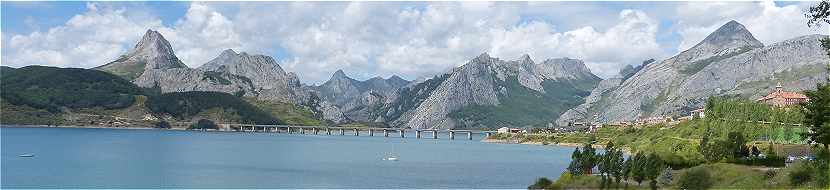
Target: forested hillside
51, 88
216, 105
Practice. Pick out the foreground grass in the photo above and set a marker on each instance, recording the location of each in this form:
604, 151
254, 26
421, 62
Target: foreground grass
677, 145
722, 176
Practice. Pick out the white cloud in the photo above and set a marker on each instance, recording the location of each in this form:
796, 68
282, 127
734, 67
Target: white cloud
201, 35
103, 33
86, 40
411, 39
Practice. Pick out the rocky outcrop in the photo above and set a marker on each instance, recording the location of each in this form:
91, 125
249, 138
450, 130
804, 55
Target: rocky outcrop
151, 52
153, 64
730, 61
359, 100
269, 80
582, 113
483, 81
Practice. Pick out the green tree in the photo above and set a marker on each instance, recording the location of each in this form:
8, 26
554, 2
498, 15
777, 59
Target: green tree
617, 163
653, 168
588, 158
605, 165
639, 168
541, 183
627, 170
820, 13
695, 178
737, 145
575, 167
817, 114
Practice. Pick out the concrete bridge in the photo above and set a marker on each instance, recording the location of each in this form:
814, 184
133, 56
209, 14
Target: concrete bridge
356, 131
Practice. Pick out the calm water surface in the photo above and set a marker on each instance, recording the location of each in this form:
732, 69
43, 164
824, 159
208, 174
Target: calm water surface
119, 158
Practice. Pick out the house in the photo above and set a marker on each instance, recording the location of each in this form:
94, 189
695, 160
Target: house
653, 120
508, 130
781, 98
697, 114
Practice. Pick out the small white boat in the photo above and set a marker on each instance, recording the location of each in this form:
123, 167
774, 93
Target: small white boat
391, 157
27, 155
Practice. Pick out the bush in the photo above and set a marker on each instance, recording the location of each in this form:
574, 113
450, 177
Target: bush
769, 174
770, 161
695, 178
802, 173
541, 183
204, 124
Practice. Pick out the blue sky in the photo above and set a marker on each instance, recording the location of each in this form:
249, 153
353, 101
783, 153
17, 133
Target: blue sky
367, 39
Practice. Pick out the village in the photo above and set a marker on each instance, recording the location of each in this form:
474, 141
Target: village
778, 98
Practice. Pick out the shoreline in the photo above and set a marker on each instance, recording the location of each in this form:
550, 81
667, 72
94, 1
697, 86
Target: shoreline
77, 127
485, 140
625, 150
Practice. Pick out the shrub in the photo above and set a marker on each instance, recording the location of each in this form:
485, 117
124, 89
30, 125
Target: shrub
541, 183
801, 173
769, 174
695, 178
770, 161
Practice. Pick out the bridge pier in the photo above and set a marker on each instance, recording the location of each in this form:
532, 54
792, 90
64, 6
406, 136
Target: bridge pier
435, 134
469, 135
356, 132
371, 132
315, 130
385, 133
417, 134
302, 131
402, 133
452, 135
288, 130
341, 132
328, 131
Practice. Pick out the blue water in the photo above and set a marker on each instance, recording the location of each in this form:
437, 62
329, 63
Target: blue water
120, 158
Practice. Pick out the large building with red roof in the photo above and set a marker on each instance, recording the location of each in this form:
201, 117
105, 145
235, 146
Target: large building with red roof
781, 98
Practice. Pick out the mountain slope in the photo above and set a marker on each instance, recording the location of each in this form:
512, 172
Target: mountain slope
151, 52
485, 91
728, 62
268, 79
359, 99
53, 88
153, 64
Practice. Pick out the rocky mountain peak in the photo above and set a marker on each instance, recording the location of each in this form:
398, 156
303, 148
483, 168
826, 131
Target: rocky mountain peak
730, 39
339, 74
151, 52
152, 45
228, 53
396, 78
732, 34
525, 59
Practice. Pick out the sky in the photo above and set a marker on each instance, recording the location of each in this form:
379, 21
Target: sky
414, 40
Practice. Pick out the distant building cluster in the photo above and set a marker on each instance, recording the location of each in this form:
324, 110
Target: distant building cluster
781, 98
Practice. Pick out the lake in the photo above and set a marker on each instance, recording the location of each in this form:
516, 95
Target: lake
123, 158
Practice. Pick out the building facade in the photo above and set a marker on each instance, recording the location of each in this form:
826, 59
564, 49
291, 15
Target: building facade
781, 98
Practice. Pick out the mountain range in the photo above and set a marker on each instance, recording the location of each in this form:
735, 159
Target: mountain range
728, 62
488, 92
